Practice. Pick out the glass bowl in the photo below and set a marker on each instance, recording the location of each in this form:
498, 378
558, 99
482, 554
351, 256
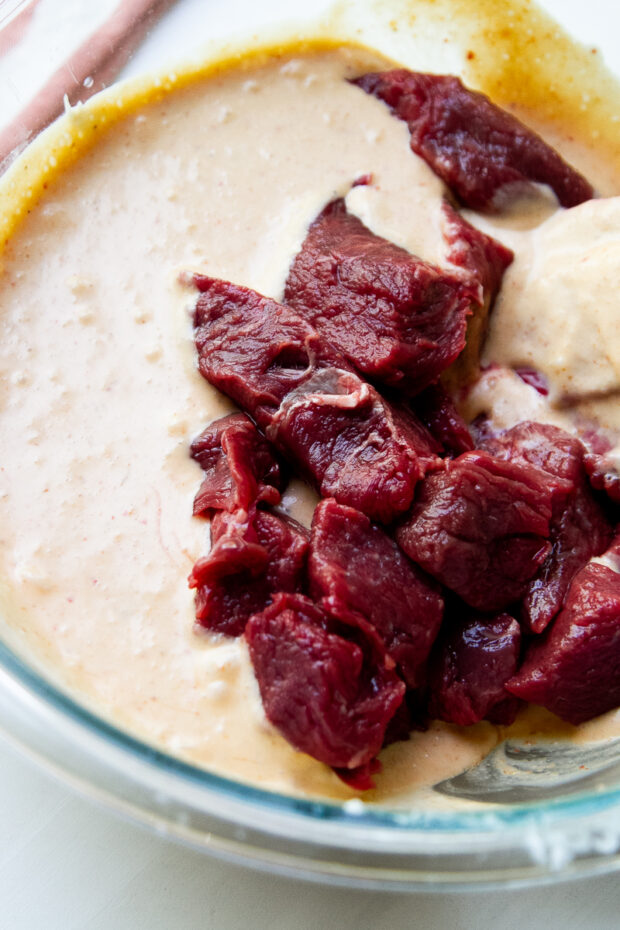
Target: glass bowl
534, 814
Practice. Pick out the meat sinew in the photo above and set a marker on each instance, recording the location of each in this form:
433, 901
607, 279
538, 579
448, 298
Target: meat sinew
477, 148
480, 526
337, 429
579, 527
240, 466
325, 681
354, 560
574, 668
472, 661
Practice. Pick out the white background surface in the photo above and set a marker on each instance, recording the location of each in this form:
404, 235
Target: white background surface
68, 865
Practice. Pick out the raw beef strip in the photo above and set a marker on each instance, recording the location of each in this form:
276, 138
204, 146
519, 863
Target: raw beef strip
325, 681
352, 559
480, 526
253, 349
481, 259
474, 146
401, 321
604, 475
482, 262
574, 669
472, 661
601, 461
544, 446
253, 557
436, 409
398, 319
353, 445
337, 429
240, 466
579, 527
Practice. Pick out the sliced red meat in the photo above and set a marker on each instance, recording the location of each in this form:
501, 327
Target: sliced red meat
482, 262
253, 349
482, 259
604, 475
602, 466
402, 723
574, 668
401, 321
480, 526
579, 527
253, 557
436, 409
544, 446
337, 429
354, 560
477, 148
241, 467
581, 532
353, 445
235, 547
472, 661
325, 684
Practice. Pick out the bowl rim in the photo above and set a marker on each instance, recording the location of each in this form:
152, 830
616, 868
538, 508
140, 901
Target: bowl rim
339, 842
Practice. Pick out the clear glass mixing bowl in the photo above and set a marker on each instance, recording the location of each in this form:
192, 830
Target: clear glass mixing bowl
535, 813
